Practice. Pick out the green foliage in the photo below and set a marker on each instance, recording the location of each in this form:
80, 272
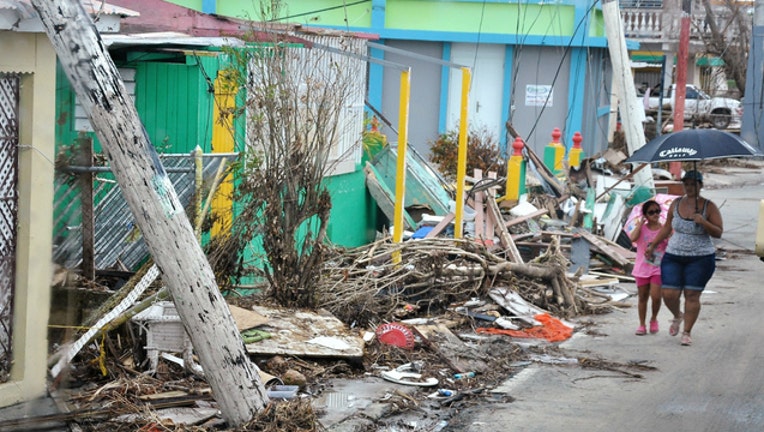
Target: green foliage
373, 140
482, 152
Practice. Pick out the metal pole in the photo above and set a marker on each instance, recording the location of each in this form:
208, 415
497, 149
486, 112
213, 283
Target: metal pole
400, 176
461, 163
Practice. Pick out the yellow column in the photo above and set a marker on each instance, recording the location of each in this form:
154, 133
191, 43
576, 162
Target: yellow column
400, 175
576, 152
461, 162
554, 152
515, 172
222, 142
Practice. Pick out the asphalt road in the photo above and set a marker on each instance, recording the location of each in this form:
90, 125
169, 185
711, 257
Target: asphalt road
717, 384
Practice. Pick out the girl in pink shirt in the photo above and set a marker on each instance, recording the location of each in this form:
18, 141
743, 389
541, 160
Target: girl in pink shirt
647, 270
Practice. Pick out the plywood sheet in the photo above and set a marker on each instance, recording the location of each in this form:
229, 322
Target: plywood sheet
305, 334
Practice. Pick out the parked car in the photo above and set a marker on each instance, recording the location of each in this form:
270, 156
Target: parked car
721, 112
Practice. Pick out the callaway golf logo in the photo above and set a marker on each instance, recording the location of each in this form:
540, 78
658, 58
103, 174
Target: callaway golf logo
678, 152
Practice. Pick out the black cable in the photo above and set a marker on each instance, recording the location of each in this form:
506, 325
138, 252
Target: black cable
559, 66
319, 11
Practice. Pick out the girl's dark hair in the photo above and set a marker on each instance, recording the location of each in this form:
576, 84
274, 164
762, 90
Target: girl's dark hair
648, 205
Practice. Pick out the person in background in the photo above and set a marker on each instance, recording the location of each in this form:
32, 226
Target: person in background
690, 258
647, 268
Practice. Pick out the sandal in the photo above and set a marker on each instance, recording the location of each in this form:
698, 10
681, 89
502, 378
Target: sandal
674, 328
686, 339
653, 326
641, 331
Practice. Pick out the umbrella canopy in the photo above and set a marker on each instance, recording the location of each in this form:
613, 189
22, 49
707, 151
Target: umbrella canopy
693, 145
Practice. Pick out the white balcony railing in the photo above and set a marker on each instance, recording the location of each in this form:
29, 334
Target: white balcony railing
655, 24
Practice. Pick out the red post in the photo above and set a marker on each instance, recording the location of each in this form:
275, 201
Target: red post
681, 79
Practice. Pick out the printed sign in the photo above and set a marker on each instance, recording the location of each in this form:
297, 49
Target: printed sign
538, 95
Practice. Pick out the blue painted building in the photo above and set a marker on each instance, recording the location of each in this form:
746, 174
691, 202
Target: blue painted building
537, 64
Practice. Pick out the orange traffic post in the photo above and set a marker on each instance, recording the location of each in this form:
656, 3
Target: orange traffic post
576, 153
515, 172
554, 152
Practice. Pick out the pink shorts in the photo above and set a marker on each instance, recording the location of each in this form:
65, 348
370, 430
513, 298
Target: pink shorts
642, 281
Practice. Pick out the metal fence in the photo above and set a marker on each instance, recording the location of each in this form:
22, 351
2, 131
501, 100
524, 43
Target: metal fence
117, 240
9, 141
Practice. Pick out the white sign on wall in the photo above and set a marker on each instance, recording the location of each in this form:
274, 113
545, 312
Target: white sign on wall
538, 95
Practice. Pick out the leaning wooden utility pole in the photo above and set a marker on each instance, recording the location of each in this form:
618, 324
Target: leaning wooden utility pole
159, 214
632, 110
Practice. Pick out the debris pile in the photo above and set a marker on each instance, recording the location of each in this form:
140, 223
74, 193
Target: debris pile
433, 322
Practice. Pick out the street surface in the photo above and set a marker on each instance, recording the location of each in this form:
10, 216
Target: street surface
717, 384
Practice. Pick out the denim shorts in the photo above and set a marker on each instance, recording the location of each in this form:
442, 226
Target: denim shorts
687, 272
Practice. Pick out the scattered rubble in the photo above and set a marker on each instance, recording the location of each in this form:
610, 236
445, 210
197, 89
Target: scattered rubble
399, 343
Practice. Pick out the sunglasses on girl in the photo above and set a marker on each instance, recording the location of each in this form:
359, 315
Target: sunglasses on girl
653, 212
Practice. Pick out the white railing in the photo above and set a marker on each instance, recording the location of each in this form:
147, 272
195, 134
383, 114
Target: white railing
641, 23
656, 24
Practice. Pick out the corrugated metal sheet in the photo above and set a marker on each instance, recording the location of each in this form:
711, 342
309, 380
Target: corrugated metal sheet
117, 237
169, 100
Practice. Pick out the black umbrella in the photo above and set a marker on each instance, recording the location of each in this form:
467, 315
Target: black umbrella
693, 145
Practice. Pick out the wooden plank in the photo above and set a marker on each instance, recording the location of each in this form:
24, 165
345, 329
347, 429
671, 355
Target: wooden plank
520, 219
87, 214
501, 230
246, 319
384, 197
601, 245
479, 208
490, 194
447, 219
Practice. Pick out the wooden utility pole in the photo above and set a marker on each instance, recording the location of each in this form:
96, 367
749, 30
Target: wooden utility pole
160, 216
680, 91
632, 109
752, 129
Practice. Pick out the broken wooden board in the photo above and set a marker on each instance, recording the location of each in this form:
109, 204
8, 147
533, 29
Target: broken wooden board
605, 247
504, 237
384, 197
306, 334
458, 355
246, 319
447, 219
175, 416
593, 281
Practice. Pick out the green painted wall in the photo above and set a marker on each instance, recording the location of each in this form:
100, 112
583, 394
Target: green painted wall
167, 99
469, 16
330, 12
354, 212
491, 16
174, 103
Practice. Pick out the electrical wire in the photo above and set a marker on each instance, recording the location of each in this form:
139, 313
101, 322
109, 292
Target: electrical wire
344, 5
477, 42
559, 66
